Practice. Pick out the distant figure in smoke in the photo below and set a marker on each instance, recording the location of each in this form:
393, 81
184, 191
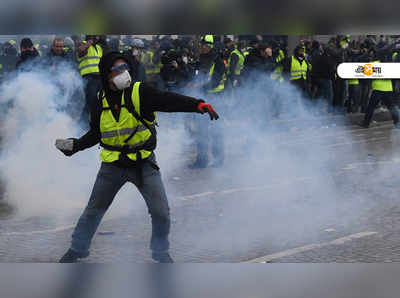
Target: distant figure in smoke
8, 59
212, 77
123, 122
136, 50
28, 57
296, 70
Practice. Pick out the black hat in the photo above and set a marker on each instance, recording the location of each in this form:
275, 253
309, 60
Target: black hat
26, 43
106, 63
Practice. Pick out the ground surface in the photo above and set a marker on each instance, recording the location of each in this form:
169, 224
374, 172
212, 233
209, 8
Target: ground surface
344, 208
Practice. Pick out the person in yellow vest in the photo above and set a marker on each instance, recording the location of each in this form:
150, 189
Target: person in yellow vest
296, 69
382, 90
89, 53
235, 63
123, 123
152, 64
211, 83
277, 80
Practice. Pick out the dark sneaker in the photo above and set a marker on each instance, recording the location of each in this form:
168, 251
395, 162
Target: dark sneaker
70, 257
162, 257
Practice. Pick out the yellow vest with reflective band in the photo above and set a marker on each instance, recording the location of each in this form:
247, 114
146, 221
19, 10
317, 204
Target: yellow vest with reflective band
150, 67
239, 64
221, 85
353, 82
115, 133
382, 85
89, 63
298, 70
277, 73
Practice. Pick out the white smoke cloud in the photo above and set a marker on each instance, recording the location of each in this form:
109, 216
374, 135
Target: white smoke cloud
41, 181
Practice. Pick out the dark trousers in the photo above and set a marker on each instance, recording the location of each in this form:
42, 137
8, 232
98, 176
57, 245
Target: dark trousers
325, 89
109, 181
92, 86
354, 98
365, 86
339, 92
387, 99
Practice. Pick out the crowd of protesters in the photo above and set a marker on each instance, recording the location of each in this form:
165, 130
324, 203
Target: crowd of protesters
228, 67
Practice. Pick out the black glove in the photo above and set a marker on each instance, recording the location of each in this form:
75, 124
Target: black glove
66, 146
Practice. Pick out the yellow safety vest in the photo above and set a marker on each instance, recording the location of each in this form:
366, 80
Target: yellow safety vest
298, 70
151, 68
221, 85
114, 134
353, 82
382, 85
277, 73
394, 55
239, 64
89, 63
37, 47
248, 49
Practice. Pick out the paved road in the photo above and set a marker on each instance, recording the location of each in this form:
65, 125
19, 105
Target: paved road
316, 193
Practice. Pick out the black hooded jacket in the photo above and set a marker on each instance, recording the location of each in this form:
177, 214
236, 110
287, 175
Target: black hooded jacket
28, 60
151, 100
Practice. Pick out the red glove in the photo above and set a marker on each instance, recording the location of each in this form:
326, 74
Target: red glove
207, 108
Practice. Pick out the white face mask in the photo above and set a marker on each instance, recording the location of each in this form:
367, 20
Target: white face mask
122, 81
135, 52
185, 59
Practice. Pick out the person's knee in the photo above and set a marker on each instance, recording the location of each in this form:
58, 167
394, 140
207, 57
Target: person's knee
160, 214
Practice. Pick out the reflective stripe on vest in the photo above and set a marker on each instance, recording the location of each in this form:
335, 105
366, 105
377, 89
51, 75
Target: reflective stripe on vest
221, 85
150, 67
298, 70
90, 62
382, 85
239, 64
115, 133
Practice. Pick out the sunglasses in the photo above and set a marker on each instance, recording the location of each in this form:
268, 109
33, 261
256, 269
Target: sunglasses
121, 67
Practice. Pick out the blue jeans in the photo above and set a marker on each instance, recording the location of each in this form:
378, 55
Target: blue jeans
211, 132
109, 181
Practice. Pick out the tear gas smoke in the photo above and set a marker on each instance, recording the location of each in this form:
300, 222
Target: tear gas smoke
285, 165
41, 106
